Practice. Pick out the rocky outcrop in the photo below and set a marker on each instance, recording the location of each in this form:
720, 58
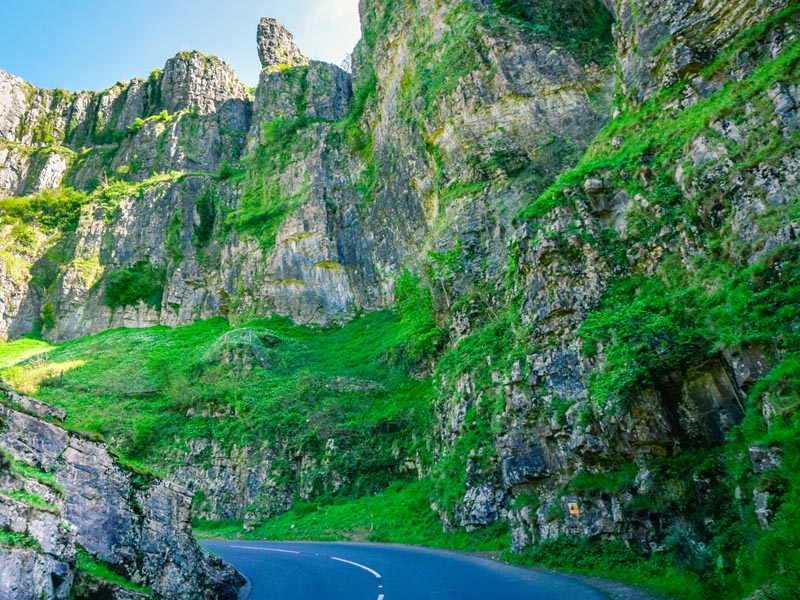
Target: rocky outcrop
122, 131
335, 202
660, 43
566, 463
276, 47
61, 493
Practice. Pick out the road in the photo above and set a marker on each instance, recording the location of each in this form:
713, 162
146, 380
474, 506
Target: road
344, 571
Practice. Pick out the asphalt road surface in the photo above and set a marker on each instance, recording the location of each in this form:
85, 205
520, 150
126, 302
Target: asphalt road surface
343, 571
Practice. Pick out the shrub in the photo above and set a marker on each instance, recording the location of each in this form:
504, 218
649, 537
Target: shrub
57, 209
141, 282
48, 315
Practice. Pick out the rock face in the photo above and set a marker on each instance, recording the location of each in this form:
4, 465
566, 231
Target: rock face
449, 152
136, 524
339, 195
659, 43
276, 47
564, 463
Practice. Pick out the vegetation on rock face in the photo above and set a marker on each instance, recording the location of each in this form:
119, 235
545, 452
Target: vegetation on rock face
583, 26
140, 283
50, 209
90, 570
672, 306
658, 255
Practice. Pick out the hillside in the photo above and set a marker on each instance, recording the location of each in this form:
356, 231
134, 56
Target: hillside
525, 280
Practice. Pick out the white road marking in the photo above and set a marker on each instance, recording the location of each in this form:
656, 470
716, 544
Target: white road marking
380, 597
265, 549
355, 564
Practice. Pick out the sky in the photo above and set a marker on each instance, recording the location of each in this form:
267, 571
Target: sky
92, 44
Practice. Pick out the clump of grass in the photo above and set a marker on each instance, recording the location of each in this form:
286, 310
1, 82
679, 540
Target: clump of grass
18, 540
141, 282
87, 564
31, 499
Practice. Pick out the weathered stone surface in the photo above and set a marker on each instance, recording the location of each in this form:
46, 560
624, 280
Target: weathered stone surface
764, 459
138, 523
35, 407
195, 82
27, 575
276, 47
525, 467
480, 507
658, 43
13, 104
323, 91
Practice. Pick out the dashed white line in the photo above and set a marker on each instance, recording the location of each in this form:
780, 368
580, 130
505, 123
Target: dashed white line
355, 564
265, 549
380, 597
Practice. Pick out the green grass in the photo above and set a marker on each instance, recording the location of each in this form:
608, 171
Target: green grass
98, 569
401, 514
31, 499
50, 209
18, 540
613, 560
146, 390
141, 282
42, 477
12, 353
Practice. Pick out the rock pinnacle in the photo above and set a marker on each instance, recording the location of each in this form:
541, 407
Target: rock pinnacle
276, 45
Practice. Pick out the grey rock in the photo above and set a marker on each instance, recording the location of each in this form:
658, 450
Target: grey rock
786, 98
276, 47
480, 507
27, 575
761, 507
595, 186
528, 466
687, 60
132, 521
765, 459
36, 407
192, 81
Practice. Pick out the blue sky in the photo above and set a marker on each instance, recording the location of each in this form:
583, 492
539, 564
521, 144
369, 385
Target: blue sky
91, 44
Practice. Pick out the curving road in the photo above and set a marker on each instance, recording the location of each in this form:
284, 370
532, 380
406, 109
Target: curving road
344, 571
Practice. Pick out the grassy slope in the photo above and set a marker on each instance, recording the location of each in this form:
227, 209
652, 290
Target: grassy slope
138, 388
146, 390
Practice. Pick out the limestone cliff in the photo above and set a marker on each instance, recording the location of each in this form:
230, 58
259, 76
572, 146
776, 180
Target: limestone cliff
607, 226
614, 380
336, 195
67, 505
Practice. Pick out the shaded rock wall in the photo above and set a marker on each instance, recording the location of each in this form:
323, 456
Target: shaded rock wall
137, 524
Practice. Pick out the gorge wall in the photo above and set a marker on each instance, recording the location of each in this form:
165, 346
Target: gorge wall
69, 508
335, 197
607, 226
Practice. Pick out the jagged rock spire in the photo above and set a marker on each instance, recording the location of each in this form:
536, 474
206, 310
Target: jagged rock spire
276, 45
